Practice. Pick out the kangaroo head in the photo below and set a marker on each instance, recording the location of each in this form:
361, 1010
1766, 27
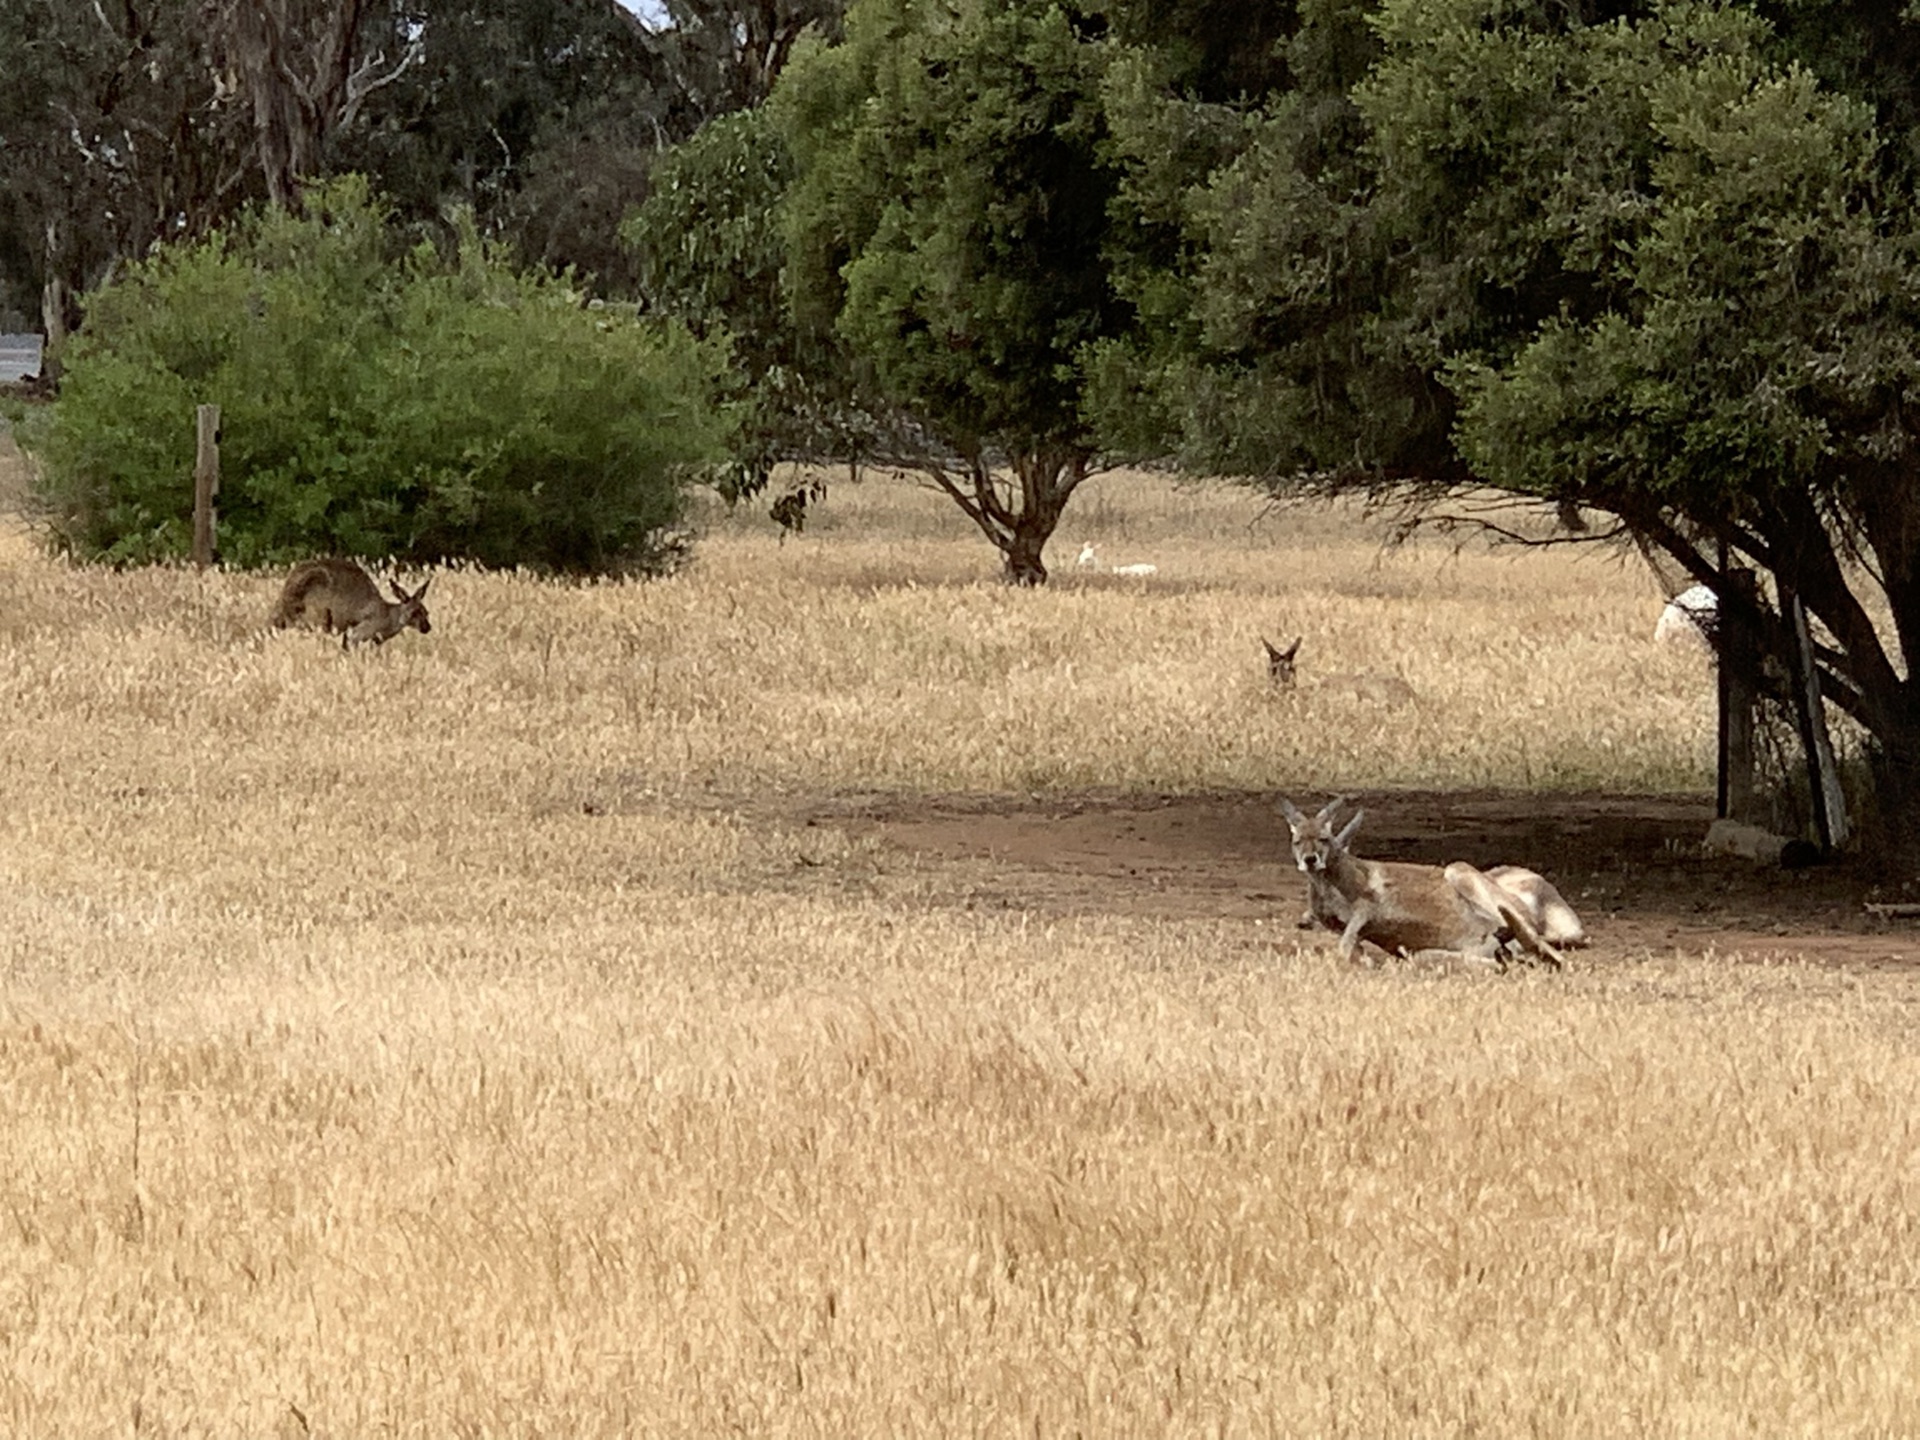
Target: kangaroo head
413, 609
1316, 845
1280, 662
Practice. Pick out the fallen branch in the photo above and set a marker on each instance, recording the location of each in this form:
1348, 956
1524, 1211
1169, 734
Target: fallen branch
1903, 910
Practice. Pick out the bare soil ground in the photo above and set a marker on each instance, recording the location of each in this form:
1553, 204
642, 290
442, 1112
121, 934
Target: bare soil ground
1630, 864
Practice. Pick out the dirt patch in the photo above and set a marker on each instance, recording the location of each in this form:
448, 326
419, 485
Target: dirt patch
1630, 864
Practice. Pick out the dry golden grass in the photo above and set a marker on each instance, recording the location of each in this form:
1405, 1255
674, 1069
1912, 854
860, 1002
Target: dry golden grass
449, 1039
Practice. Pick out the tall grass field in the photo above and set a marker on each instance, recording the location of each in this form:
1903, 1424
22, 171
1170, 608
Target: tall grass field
465, 1037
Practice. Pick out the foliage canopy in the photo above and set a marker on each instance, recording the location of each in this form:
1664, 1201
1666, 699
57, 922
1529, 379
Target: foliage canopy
709, 252
948, 224
412, 406
1639, 258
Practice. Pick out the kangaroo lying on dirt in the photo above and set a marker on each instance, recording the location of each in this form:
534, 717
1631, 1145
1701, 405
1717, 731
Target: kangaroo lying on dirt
338, 595
1416, 909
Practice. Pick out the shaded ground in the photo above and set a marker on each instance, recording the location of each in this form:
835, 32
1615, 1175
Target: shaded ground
1629, 864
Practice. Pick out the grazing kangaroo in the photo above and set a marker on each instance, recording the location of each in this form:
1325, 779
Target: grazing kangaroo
338, 595
1388, 690
1407, 909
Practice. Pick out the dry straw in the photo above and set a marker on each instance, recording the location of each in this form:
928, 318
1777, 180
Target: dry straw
453, 1039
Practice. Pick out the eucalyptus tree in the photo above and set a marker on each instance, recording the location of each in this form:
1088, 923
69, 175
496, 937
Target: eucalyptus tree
125, 124
709, 249
948, 225
726, 55
113, 133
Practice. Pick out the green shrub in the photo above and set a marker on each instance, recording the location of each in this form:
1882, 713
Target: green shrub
375, 404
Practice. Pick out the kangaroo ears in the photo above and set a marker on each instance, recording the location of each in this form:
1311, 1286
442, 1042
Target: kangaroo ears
1346, 833
401, 590
1276, 653
1288, 809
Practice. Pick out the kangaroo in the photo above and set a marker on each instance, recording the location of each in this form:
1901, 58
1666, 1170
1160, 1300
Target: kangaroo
1378, 689
1327, 908
1407, 909
338, 595
1280, 662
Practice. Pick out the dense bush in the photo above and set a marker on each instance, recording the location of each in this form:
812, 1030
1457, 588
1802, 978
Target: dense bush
411, 405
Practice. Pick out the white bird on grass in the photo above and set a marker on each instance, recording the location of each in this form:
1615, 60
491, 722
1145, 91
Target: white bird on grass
1090, 560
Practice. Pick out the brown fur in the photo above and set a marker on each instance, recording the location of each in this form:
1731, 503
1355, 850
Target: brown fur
1406, 909
338, 596
1280, 662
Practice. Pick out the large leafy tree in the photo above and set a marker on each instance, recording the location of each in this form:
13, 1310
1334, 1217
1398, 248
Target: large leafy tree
1748, 382
710, 251
1263, 261
1635, 257
949, 224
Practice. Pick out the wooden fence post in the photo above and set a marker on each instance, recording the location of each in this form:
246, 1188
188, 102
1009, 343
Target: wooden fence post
1823, 774
1738, 649
206, 481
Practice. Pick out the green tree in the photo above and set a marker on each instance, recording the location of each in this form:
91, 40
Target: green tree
375, 404
122, 125
949, 224
1633, 257
1744, 384
1258, 264
710, 250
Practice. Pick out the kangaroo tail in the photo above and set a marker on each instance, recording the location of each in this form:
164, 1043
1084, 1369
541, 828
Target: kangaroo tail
1530, 938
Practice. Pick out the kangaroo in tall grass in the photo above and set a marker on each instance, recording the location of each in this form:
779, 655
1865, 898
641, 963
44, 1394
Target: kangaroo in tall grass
1280, 667
1408, 909
334, 594
1368, 685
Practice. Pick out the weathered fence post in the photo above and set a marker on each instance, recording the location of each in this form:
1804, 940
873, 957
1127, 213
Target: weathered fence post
1739, 660
1823, 774
206, 481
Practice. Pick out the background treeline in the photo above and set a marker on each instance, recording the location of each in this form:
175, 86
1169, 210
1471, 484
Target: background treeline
1655, 263
127, 123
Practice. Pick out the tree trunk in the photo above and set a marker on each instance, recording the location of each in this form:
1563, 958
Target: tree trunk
298, 66
1018, 518
58, 313
1047, 480
55, 307
1895, 830
1024, 565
